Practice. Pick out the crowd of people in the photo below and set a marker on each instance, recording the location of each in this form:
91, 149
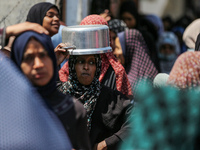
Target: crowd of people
142, 95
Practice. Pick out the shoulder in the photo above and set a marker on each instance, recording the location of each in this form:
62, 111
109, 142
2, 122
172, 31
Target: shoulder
111, 96
75, 105
107, 91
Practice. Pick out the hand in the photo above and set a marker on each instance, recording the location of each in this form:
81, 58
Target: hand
106, 15
25, 26
61, 53
100, 146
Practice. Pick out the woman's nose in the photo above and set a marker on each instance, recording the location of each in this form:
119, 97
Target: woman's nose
38, 63
86, 66
55, 17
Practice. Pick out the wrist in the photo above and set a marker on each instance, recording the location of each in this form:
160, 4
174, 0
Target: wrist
8, 31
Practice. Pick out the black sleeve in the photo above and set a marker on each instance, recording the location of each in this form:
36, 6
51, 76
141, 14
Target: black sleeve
118, 137
73, 117
109, 79
82, 140
111, 118
197, 43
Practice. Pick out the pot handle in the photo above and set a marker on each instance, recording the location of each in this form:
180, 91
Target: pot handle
69, 47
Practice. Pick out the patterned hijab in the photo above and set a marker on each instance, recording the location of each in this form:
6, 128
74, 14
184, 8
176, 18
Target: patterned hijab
26, 122
88, 95
165, 119
107, 59
117, 25
186, 71
137, 61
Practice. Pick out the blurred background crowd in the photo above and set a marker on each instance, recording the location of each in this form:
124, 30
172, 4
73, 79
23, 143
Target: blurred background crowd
152, 41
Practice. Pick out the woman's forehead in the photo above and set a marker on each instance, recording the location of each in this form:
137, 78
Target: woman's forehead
86, 56
53, 10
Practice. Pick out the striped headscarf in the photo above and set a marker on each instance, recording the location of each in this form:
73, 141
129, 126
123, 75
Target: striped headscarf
107, 59
137, 61
186, 70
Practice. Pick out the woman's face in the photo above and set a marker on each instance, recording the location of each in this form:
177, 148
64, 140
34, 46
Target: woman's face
36, 63
167, 49
85, 69
113, 36
51, 21
129, 19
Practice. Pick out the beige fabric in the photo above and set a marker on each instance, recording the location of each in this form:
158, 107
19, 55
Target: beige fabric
190, 34
160, 80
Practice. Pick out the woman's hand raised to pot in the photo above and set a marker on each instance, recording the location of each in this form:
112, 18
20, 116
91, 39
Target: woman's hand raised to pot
61, 53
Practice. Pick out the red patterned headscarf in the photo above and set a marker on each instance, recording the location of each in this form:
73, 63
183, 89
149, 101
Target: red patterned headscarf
186, 71
108, 59
137, 61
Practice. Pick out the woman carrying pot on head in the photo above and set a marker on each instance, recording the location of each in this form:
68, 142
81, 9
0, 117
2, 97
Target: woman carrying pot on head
107, 109
113, 73
34, 56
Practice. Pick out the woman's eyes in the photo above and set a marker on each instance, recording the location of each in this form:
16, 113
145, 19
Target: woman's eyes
82, 62
29, 58
92, 62
42, 55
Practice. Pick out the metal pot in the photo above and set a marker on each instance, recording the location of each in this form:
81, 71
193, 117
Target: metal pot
86, 39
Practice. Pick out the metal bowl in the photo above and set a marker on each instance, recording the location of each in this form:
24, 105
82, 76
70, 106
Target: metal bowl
86, 39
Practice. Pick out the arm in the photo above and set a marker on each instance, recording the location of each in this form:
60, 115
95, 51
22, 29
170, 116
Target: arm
114, 140
25, 26
119, 136
61, 53
2, 37
115, 109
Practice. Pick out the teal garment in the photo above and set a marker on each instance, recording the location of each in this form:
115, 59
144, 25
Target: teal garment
164, 119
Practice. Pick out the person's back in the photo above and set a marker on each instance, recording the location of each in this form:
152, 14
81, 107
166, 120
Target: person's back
26, 120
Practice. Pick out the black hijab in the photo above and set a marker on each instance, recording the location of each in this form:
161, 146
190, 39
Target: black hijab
18, 49
130, 7
37, 13
197, 43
